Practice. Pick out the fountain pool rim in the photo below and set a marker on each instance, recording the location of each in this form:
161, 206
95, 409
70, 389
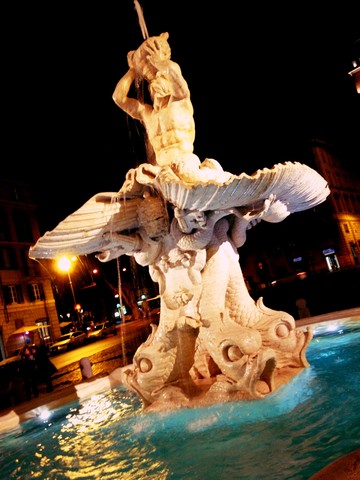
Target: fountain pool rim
85, 390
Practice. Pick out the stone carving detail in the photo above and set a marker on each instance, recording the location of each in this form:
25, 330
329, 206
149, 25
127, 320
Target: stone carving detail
187, 219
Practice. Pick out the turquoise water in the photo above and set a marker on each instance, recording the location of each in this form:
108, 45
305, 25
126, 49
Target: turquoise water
291, 434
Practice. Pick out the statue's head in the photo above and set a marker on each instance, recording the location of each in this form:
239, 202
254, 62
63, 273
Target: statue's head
152, 50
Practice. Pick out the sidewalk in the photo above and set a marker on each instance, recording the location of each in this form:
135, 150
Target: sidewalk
46, 401
102, 381
68, 386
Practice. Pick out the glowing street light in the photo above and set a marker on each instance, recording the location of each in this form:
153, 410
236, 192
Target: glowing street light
355, 72
64, 264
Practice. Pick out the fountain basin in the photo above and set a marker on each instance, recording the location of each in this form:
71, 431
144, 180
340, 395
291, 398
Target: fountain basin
296, 431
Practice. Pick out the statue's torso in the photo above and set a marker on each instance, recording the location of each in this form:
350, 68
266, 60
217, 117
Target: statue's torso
171, 131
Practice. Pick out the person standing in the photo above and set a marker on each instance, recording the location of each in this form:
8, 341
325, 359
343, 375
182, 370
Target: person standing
28, 369
45, 368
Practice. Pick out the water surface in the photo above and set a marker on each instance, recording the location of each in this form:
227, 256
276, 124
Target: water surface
291, 434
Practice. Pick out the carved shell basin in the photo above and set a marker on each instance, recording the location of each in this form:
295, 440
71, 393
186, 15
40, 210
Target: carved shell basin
82, 232
296, 185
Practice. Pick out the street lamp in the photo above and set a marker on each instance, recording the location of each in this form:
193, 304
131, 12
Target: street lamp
64, 264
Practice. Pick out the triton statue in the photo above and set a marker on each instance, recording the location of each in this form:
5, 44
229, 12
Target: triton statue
185, 219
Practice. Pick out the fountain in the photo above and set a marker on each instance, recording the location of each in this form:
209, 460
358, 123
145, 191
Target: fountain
259, 408
185, 220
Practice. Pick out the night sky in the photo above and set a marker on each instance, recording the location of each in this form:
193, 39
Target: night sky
264, 81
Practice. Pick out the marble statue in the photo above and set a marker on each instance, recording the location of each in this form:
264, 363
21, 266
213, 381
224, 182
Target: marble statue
185, 220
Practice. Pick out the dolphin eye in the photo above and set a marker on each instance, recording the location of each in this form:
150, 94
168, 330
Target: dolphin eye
233, 353
145, 365
283, 330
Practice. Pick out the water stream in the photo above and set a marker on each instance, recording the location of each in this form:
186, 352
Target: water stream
142, 23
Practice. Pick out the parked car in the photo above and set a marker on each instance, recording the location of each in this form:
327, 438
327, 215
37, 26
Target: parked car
102, 330
67, 342
15, 357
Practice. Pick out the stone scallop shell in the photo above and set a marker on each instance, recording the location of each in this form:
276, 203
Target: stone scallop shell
82, 232
296, 185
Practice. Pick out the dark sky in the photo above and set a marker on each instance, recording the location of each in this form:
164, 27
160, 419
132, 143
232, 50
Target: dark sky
264, 80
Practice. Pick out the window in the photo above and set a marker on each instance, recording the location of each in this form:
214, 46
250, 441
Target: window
24, 254
22, 226
13, 294
4, 227
43, 332
36, 292
353, 251
8, 259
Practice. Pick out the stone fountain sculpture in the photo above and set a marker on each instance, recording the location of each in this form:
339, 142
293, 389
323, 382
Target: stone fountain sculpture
185, 219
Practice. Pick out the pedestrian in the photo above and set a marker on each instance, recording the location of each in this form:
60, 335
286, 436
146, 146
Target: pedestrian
28, 369
45, 367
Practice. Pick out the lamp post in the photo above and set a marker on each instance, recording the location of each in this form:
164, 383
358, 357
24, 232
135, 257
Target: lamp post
64, 264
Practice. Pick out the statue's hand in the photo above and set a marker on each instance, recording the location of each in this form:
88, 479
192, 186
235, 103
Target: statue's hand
130, 59
157, 46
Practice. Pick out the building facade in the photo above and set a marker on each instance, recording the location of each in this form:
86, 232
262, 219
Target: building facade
28, 311
319, 240
344, 202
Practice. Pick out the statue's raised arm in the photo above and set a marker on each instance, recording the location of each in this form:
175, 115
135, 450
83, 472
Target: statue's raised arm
168, 120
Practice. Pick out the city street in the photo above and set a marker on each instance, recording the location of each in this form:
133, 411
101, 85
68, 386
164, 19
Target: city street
127, 334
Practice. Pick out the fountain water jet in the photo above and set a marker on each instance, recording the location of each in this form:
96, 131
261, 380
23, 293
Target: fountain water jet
185, 219
142, 23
